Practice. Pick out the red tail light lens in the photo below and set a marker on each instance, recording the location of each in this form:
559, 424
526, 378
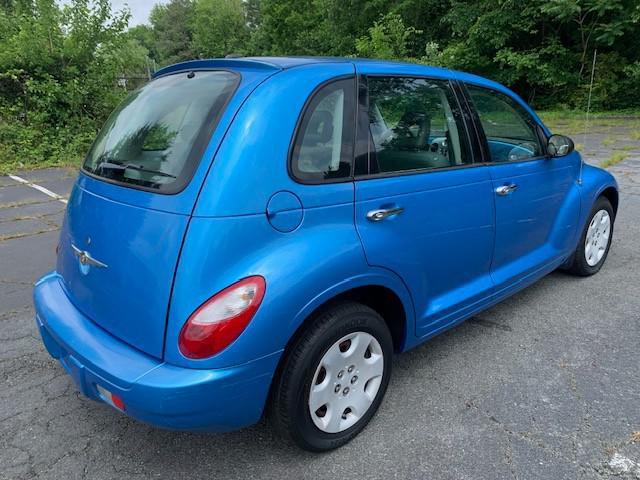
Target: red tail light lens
221, 319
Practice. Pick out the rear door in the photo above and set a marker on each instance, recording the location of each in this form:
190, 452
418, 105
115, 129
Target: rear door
423, 208
529, 186
129, 211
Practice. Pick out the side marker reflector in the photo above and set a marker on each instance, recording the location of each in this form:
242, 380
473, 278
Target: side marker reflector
111, 398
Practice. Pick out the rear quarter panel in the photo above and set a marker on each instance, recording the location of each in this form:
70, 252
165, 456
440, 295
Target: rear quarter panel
229, 237
321, 259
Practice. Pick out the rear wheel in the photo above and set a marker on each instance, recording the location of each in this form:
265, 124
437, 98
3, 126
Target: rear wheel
333, 378
593, 247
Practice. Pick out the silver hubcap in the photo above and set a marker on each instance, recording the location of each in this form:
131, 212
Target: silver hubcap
597, 237
346, 382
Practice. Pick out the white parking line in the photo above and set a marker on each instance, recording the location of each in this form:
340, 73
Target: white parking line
40, 188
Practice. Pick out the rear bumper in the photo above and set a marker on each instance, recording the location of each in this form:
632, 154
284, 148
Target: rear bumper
152, 390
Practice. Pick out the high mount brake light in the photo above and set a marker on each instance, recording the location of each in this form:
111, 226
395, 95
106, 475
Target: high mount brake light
221, 319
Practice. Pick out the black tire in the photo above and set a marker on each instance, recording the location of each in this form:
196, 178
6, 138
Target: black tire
578, 264
290, 395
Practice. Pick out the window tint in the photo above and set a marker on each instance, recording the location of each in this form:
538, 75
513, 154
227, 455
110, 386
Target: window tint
155, 137
510, 131
415, 123
323, 147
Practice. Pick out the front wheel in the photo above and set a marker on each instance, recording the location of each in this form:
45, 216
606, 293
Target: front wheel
595, 240
333, 378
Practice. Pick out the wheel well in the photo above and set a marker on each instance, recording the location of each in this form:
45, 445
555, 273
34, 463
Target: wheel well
611, 194
386, 303
381, 299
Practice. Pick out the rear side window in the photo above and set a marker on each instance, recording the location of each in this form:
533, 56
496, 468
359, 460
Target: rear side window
323, 145
510, 131
157, 135
415, 124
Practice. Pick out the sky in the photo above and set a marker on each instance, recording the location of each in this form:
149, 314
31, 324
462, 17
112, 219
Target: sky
140, 9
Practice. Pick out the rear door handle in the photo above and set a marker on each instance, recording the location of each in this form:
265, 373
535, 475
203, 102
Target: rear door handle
381, 214
506, 189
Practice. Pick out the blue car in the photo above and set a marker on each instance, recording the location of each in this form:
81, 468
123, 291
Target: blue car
262, 234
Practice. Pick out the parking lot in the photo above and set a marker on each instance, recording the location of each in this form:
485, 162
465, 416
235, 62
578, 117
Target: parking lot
544, 385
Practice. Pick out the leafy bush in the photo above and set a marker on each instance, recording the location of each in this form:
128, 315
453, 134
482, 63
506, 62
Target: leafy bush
59, 70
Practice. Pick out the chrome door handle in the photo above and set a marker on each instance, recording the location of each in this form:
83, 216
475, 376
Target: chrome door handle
381, 214
506, 189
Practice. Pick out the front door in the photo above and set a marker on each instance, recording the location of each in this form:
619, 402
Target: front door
423, 209
530, 190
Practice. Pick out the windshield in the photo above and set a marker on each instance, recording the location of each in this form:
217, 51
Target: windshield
156, 136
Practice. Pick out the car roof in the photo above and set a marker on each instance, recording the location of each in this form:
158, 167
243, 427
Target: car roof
284, 63
386, 65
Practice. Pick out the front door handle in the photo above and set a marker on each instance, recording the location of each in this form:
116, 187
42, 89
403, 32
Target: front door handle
381, 214
506, 189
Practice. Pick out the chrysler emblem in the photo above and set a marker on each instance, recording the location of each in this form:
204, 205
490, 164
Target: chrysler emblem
86, 259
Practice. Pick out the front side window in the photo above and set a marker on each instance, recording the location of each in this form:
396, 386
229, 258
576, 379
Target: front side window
323, 147
156, 136
510, 131
415, 124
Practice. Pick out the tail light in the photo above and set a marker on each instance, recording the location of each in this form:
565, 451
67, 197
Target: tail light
221, 319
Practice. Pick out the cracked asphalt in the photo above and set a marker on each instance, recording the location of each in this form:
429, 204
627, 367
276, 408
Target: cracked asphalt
544, 385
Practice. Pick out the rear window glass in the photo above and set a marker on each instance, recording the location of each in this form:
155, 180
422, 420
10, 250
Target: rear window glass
156, 136
324, 143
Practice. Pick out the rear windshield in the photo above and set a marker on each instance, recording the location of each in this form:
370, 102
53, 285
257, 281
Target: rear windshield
156, 136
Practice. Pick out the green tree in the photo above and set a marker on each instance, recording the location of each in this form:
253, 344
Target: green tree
59, 68
543, 48
594, 22
144, 35
172, 25
387, 38
313, 27
253, 14
219, 28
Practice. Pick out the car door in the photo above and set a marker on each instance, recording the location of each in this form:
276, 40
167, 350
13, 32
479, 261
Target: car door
423, 208
530, 190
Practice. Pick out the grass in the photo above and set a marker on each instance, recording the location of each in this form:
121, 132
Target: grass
12, 166
572, 122
580, 114
616, 157
626, 148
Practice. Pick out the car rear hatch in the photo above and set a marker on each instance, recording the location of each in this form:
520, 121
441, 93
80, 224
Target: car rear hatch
130, 208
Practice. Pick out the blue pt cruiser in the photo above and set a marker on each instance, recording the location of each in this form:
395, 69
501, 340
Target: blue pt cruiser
262, 234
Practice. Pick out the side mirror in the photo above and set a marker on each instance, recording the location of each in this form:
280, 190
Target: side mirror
559, 145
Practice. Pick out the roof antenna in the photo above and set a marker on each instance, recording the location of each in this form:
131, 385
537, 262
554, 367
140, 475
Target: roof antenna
233, 55
586, 121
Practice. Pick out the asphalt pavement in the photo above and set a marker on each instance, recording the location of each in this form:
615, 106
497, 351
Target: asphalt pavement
544, 385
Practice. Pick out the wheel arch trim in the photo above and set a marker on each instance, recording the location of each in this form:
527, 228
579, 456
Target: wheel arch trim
595, 182
375, 277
